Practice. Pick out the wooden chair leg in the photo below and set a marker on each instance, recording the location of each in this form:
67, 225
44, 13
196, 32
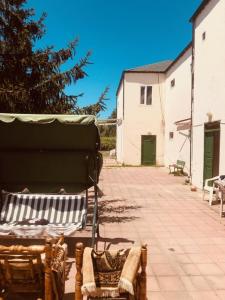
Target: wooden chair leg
221, 205
79, 277
143, 275
48, 278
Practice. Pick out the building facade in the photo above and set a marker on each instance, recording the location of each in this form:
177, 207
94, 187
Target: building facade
208, 105
141, 115
186, 117
178, 110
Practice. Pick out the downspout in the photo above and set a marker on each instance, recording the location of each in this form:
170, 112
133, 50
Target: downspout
192, 96
123, 95
123, 127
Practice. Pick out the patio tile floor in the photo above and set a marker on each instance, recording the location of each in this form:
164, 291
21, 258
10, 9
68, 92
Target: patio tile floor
185, 237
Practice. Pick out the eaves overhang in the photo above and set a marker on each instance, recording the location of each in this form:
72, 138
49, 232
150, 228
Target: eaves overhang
199, 10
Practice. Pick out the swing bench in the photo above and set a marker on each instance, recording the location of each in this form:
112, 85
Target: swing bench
47, 165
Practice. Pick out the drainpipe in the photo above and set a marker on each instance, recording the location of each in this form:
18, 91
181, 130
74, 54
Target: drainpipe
192, 96
123, 94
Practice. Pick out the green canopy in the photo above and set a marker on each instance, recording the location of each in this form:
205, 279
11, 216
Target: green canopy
43, 119
47, 152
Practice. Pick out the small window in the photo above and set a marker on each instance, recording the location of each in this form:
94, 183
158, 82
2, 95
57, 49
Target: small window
171, 135
142, 94
149, 95
203, 35
172, 83
146, 95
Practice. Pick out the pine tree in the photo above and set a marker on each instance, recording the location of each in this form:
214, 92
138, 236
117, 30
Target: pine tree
31, 80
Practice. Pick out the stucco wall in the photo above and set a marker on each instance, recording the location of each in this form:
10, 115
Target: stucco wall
142, 119
209, 74
119, 129
178, 107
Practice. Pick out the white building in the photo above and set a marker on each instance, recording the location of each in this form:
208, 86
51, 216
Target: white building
141, 115
208, 107
186, 113
158, 132
178, 109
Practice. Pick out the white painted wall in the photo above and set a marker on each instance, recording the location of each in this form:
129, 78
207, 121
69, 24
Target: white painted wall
209, 89
119, 128
178, 107
141, 119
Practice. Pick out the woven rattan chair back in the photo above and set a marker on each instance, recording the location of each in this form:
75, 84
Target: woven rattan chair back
140, 280
23, 271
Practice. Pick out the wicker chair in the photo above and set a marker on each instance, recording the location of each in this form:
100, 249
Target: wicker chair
140, 286
30, 270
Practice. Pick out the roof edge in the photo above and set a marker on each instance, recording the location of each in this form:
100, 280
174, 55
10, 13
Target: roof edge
179, 56
198, 10
120, 83
130, 71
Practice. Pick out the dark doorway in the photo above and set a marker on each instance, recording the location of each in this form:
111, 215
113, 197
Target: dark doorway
211, 150
148, 150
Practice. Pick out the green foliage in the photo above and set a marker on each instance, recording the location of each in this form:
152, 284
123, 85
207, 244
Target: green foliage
113, 114
109, 130
95, 109
108, 143
31, 80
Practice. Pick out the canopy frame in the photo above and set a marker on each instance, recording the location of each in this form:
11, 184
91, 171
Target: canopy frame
48, 153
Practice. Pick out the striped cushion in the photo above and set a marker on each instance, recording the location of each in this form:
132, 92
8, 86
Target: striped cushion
57, 209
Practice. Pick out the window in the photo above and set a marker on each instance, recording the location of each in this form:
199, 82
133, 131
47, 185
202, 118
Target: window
171, 135
149, 95
142, 94
146, 95
203, 35
172, 83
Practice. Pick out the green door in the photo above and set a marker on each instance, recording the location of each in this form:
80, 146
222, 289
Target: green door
208, 155
148, 150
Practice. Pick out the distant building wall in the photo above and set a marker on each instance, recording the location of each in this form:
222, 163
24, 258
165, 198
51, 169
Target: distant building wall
142, 119
119, 129
178, 107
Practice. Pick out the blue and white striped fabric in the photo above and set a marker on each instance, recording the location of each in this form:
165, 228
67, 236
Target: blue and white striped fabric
65, 213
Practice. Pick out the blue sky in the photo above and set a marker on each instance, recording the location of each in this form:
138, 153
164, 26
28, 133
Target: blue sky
121, 34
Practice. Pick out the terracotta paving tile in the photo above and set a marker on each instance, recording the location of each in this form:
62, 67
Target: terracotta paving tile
189, 286
158, 258
152, 284
182, 258
163, 269
221, 294
176, 296
204, 295
178, 268
185, 236
193, 248
199, 258
209, 269
200, 283
216, 282
218, 257
171, 283
219, 240
156, 296
209, 248
155, 249
221, 266
190, 269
